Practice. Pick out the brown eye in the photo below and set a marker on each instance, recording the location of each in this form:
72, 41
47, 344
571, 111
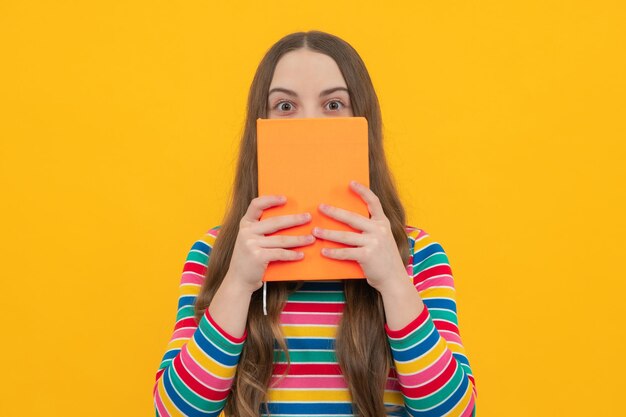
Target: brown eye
334, 105
284, 106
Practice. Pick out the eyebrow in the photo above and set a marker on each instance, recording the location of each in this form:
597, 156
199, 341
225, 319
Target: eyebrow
294, 94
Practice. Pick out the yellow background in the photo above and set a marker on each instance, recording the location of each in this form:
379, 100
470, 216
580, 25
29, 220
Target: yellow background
119, 127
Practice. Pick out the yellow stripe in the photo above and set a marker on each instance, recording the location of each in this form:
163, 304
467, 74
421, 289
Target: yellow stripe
422, 362
167, 403
390, 397
438, 292
305, 395
422, 243
189, 289
177, 343
393, 397
216, 368
309, 331
414, 233
208, 239
456, 348
456, 411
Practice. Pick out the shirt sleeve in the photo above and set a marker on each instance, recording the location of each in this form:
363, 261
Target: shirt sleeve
429, 357
197, 370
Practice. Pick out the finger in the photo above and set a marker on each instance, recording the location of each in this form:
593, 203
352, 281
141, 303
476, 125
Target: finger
276, 223
270, 255
258, 204
355, 220
280, 241
347, 238
371, 199
354, 254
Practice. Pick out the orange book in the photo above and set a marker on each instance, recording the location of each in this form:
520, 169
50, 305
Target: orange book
311, 161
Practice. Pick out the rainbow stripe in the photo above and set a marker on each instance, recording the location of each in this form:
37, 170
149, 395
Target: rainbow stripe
431, 374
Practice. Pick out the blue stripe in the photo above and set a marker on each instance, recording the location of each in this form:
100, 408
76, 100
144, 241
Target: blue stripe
417, 350
202, 246
178, 401
448, 404
321, 286
307, 409
171, 354
186, 300
327, 344
399, 413
461, 358
441, 303
214, 352
426, 252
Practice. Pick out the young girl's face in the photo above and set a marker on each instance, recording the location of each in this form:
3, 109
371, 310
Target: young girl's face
308, 84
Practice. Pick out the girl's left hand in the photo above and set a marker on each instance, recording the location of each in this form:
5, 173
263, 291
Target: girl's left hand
375, 248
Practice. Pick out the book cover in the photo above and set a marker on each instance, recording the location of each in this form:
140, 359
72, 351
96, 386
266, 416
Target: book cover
312, 161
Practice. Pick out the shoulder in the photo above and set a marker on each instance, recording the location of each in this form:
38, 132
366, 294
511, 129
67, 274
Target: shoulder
206, 241
428, 259
421, 244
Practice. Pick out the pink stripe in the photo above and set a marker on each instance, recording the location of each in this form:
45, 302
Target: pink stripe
191, 278
471, 378
429, 373
330, 382
184, 333
159, 404
201, 374
310, 319
393, 385
470, 408
450, 336
158, 375
440, 281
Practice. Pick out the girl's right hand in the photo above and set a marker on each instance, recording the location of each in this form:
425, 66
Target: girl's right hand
253, 250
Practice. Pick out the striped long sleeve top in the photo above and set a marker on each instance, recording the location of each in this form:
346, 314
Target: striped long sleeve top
430, 376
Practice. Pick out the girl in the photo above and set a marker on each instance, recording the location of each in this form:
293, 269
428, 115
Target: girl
385, 345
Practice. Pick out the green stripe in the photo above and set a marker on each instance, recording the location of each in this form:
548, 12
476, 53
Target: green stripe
191, 396
166, 363
198, 256
326, 356
439, 258
300, 415
411, 339
216, 337
324, 296
393, 407
443, 315
439, 396
184, 313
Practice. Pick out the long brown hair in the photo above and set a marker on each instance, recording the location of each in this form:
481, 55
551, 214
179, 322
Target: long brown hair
361, 345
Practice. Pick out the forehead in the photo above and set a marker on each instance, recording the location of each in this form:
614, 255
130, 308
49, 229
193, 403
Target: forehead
306, 69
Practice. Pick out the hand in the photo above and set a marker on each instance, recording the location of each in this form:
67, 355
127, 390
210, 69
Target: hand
375, 248
253, 250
